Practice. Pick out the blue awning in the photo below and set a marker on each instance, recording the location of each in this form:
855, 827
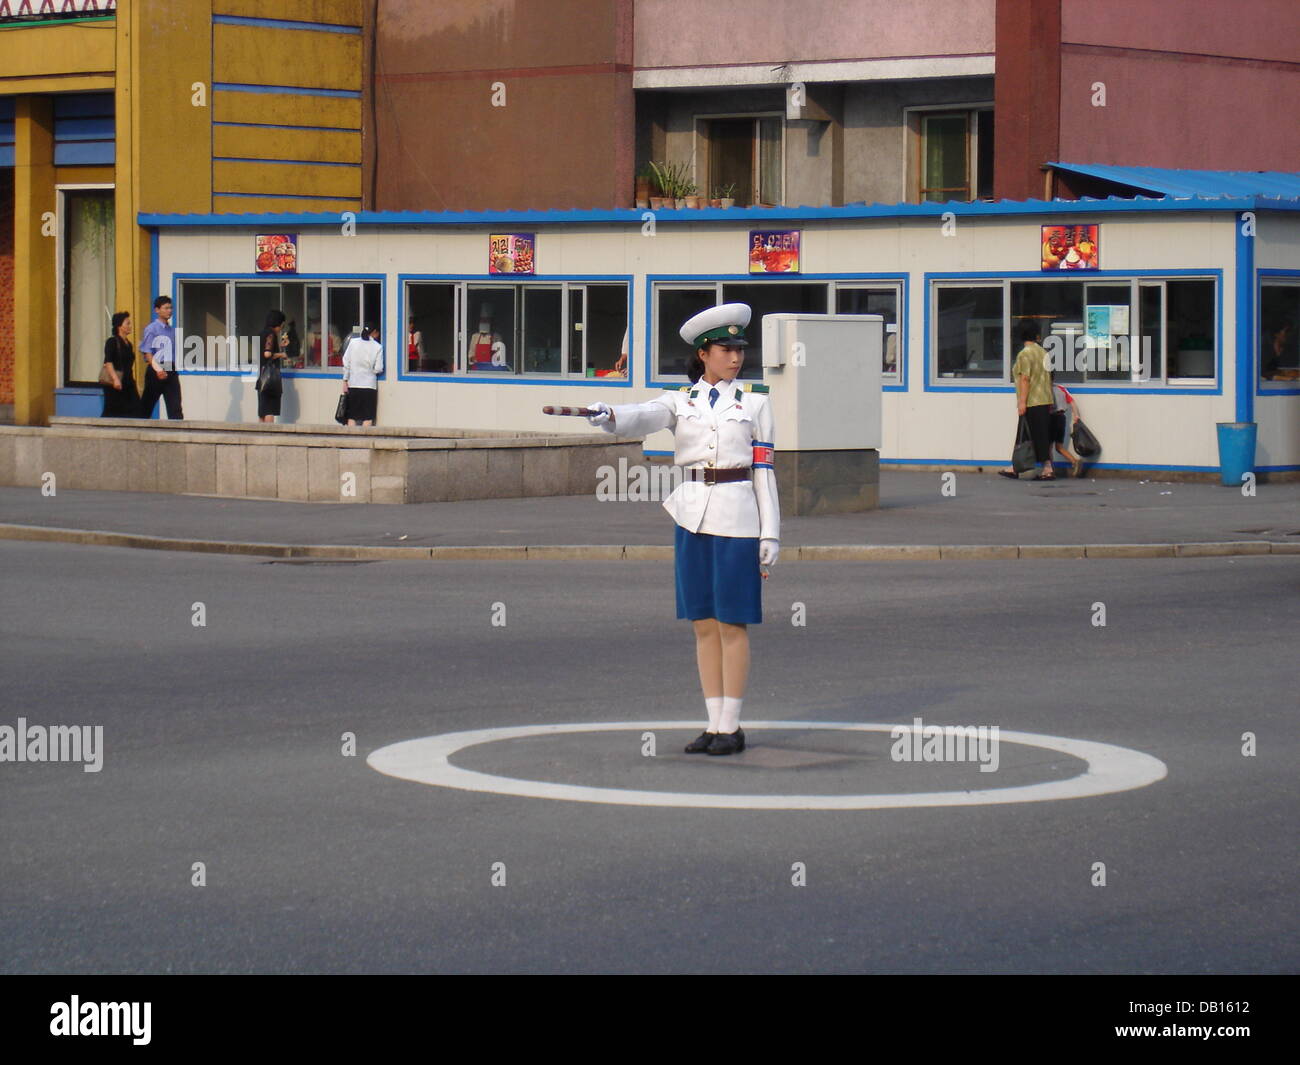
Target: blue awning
1206, 184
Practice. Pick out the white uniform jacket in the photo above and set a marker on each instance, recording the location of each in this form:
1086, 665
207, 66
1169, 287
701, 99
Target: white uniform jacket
737, 432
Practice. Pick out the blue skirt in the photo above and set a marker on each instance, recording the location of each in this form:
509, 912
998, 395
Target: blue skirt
718, 577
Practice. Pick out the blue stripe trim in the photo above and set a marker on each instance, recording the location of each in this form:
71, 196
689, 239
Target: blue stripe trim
85, 153
277, 162
84, 129
283, 24
1246, 360
628, 216
273, 125
764, 443
286, 90
1002, 462
762, 465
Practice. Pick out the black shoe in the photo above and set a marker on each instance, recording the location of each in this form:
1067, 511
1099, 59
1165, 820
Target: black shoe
701, 743
728, 742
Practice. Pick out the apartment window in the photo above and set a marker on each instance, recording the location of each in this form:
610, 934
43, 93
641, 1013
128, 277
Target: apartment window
954, 154
1279, 320
744, 151
556, 329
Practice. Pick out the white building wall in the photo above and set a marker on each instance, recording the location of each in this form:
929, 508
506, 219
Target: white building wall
1145, 430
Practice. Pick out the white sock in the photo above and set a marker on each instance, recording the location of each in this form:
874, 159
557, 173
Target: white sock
715, 711
729, 720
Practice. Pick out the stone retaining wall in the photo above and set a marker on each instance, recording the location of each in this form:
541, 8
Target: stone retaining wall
308, 464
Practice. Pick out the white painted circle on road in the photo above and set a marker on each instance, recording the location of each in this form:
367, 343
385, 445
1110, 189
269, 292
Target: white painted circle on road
426, 761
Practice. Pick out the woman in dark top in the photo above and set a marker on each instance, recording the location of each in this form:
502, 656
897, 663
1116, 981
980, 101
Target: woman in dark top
121, 400
268, 395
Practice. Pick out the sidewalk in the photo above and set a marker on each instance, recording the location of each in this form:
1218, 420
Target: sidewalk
986, 511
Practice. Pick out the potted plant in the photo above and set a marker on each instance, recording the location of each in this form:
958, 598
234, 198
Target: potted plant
690, 193
663, 177
716, 199
727, 195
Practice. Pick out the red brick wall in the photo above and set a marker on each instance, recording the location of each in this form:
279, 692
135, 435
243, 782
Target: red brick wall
6, 285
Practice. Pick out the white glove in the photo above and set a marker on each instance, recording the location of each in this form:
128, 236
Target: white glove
768, 550
602, 415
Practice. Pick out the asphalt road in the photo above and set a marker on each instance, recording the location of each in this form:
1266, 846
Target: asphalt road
222, 745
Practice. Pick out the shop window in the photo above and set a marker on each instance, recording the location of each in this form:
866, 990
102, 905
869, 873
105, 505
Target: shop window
202, 313
969, 332
431, 316
744, 152
255, 299
490, 317
771, 298
1189, 327
1138, 331
674, 304
1279, 347
599, 328
557, 329
881, 301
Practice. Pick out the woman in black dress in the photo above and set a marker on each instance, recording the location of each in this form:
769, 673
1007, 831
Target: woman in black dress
270, 388
121, 400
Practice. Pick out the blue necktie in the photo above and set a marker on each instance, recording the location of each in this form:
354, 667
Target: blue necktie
713, 396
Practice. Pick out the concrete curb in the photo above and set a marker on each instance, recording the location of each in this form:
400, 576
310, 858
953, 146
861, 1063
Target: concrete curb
643, 552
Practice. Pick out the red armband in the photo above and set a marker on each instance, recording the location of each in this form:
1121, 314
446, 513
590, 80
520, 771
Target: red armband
764, 455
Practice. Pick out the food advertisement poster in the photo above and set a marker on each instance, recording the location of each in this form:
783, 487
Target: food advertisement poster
1070, 248
774, 251
511, 253
277, 253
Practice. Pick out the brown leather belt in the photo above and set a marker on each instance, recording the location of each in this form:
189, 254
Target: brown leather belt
711, 476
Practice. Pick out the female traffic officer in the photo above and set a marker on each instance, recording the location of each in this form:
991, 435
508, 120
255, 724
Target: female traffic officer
726, 510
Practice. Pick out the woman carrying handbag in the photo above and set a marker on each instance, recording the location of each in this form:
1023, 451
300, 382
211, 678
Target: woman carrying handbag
117, 376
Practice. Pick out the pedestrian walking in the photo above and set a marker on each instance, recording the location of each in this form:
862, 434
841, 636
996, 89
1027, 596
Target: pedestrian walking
363, 361
117, 376
726, 510
1034, 400
1065, 412
161, 376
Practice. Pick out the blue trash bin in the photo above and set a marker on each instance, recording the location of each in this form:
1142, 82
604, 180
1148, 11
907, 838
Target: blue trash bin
1236, 451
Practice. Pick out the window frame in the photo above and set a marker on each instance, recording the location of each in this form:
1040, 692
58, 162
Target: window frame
230, 280
655, 283
914, 146
699, 140
462, 284
1164, 385
1276, 279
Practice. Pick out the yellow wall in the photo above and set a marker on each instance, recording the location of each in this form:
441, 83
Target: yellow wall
35, 280
153, 57
53, 53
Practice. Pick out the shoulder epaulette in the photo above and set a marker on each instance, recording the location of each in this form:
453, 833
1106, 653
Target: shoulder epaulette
761, 389
676, 388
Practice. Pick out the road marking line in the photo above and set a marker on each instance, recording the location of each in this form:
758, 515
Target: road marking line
427, 761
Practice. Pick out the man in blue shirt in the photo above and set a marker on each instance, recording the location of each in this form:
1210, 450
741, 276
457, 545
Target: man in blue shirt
160, 377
